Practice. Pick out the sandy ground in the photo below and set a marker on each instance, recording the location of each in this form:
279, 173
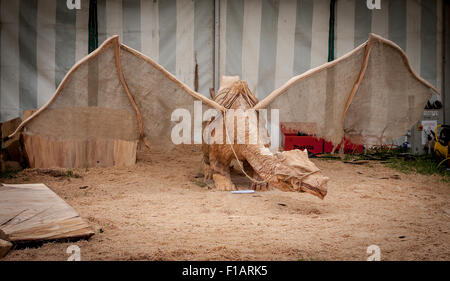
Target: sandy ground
156, 211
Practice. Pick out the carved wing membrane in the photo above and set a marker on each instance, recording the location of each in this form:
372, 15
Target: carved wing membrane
157, 92
113, 93
370, 96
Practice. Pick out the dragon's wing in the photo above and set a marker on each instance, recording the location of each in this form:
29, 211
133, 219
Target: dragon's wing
115, 92
370, 95
157, 92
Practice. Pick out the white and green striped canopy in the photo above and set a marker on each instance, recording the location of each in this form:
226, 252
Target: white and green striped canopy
264, 42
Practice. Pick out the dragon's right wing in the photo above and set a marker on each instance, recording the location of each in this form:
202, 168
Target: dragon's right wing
370, 95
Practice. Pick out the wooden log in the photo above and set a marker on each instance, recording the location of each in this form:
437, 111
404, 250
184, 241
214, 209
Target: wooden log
44, 152
10, 126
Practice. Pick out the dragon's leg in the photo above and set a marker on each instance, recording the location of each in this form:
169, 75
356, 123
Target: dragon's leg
207, 171
260, 185
221, 176
206, 164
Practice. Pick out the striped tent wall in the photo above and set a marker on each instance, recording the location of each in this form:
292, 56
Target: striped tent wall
415, 25
178, 34
266, 42
42, 39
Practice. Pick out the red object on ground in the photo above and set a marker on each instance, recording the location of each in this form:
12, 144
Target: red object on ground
314, 145
349, 147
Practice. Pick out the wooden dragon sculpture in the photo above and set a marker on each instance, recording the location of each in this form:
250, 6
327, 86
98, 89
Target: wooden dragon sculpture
370, 95
288, 171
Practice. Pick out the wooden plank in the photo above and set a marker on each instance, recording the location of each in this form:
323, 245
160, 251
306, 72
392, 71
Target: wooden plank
5, 246
32, 212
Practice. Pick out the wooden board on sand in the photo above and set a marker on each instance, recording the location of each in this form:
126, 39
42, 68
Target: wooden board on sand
32, 212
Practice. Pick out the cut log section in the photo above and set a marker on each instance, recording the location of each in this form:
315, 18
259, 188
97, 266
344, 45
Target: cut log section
34, 213
46, 152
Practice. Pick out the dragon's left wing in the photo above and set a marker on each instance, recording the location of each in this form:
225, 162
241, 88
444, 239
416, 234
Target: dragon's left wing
157, 92
114, 93
371, 95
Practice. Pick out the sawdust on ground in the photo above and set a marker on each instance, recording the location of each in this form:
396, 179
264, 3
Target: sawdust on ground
160, 210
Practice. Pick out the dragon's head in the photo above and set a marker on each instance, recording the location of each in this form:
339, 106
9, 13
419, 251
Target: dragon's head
295, 172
